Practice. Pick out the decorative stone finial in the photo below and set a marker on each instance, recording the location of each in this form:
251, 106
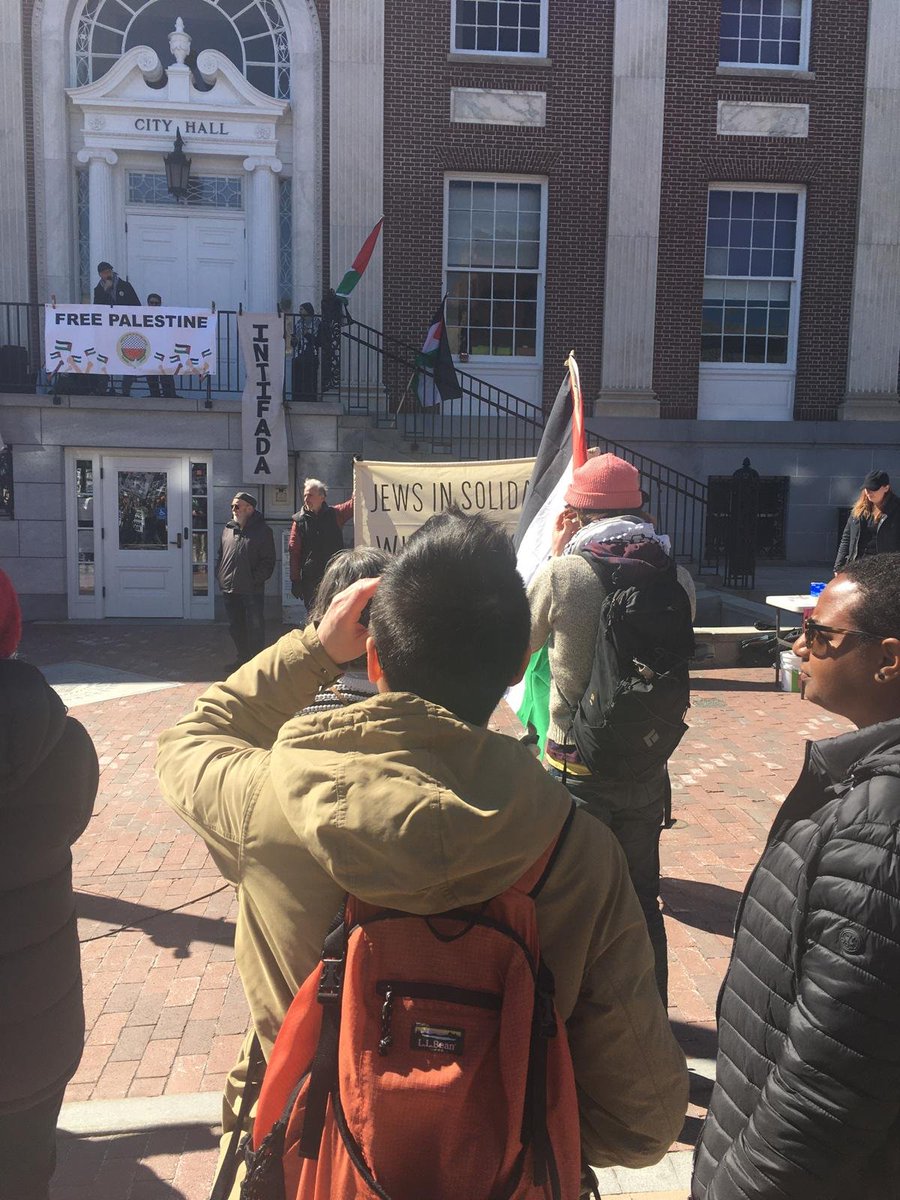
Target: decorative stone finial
179, 42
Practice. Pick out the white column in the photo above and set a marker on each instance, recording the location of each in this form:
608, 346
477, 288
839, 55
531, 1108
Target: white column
262, 234
104, 222
356, 159
635, 175
875, 316
13, 222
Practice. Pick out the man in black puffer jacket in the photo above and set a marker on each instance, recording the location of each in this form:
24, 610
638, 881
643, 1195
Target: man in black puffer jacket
48, 781
807, 1098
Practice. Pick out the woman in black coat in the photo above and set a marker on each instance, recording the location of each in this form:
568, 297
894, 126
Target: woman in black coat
873, 526
48, 781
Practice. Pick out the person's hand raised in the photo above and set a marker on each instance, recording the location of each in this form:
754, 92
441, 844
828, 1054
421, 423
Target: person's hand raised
565, 527
342, 636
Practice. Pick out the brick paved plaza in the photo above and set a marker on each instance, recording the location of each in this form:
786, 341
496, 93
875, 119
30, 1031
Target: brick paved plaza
165, 1009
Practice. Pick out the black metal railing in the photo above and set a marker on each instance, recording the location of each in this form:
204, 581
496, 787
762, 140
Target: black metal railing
376, 376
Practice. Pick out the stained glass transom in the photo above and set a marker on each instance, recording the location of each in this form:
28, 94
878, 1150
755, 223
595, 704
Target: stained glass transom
84, 239
251, 33
285, 241
204, 191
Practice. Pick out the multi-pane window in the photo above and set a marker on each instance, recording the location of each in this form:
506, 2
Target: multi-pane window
767, 33
494, 266
84, 508
199, 529
499, 26
752, 269
252, 33
204, 191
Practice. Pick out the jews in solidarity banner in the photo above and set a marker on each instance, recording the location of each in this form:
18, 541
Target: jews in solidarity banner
100, 339
263, 427
391, 500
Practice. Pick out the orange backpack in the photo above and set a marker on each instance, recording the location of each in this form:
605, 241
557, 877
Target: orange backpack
423, 1059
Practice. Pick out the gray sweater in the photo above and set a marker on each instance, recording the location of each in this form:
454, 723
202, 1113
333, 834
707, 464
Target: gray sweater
565, 598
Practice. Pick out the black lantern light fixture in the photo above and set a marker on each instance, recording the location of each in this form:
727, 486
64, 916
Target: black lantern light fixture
178, 169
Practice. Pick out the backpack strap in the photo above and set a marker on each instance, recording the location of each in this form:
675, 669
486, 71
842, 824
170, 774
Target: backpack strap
324, 1070
537, 874
256, 1067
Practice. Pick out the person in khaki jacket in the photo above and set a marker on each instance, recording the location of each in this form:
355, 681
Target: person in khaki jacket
408, 801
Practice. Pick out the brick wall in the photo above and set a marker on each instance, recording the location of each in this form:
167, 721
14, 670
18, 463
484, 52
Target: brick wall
827, 162
572, 152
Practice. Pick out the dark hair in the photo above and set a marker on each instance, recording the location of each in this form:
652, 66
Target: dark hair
104, 266
365, 562
877, 577
450, 618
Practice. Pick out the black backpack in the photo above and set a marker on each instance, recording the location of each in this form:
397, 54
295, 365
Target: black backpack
631, 717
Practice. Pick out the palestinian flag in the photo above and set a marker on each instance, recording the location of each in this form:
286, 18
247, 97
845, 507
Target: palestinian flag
562, 449
352, 277
435, 378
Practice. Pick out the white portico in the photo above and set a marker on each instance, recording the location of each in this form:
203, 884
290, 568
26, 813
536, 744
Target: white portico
223, 247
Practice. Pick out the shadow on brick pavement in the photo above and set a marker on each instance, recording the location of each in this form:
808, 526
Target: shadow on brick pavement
165, 1009
161, 1164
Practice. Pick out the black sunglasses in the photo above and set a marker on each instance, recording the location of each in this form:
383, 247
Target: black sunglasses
817, 636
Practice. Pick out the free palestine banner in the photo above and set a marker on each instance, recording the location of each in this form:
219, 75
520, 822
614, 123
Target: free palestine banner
99, 339
391, 500
263, 428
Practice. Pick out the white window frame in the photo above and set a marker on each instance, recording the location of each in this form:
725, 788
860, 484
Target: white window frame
790, 366
489, 177
541, 52
802, 65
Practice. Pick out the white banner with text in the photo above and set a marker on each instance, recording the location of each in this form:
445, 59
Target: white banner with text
100, 339
391, 500
263, 426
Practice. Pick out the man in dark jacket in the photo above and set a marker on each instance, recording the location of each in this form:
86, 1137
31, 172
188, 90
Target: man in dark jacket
807, 1098
315, 538
246, 560
48, 781
111, 289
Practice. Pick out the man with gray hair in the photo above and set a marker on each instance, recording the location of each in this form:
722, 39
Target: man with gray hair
315, 538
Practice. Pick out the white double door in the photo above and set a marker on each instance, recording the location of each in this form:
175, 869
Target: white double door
190, 259
146, 536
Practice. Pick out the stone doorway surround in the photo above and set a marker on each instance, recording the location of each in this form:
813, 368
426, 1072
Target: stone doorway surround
122, 113
57, 142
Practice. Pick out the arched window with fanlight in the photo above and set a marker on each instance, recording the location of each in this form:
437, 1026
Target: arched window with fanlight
251, 33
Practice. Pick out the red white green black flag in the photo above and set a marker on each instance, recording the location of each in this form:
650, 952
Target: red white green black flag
352, 277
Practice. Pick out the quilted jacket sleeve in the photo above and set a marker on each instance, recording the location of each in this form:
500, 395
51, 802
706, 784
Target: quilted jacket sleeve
834, 1093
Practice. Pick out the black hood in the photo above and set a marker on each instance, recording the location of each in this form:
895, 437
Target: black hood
32, 720
860, 754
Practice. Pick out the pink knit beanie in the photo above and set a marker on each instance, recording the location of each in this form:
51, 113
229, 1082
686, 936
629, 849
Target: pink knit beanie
605, 482
10, 617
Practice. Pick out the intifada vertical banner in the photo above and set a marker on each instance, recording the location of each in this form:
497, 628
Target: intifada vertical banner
391, 500
263, 428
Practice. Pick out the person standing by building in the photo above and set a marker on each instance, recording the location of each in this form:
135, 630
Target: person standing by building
306, 342
807, 1096
604, 503
315, 538
48, 782
245, 562
113, 290
160, 384
873, 526
410, 802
